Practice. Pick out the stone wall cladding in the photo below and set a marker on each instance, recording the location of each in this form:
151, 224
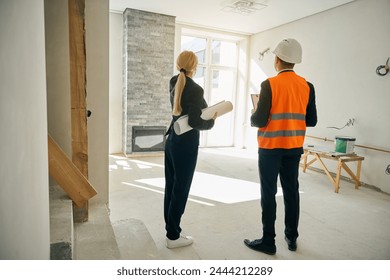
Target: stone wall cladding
149, 40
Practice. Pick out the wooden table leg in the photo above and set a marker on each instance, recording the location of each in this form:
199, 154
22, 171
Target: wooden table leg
358, 169
306, 164
356, 177
304, 157
338, 174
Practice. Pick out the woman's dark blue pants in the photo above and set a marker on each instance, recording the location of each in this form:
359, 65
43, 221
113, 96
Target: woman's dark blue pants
181, 155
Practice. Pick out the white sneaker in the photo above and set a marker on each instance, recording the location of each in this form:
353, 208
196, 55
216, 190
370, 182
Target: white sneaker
180, 242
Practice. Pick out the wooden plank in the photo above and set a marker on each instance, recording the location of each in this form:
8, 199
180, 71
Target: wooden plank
79, 146
78, 100
68, 176
352, 158
77, 52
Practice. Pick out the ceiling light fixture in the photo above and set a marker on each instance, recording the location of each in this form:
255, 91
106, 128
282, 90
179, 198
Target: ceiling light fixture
243, 7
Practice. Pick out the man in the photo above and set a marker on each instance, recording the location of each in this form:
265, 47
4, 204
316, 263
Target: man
285, 108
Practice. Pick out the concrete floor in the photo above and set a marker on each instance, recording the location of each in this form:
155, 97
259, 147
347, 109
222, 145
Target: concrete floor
224, 209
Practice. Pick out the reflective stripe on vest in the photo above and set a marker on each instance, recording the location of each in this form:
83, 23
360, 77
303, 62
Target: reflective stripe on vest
292, 116
286, 127
281, 133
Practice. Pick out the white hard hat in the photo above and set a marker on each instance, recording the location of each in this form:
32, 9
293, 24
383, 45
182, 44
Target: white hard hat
289, 50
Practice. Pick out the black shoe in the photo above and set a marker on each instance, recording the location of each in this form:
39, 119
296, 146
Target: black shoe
292, 244
261, 246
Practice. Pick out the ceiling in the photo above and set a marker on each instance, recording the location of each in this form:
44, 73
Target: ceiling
208, 13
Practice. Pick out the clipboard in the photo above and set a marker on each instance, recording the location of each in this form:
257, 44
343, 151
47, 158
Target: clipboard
255, 100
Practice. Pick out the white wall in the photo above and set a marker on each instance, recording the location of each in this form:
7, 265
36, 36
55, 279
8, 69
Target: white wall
24, 187
58, 73
342, 48
97, 48
116, 82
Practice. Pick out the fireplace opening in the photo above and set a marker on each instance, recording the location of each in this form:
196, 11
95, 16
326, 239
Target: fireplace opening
148, 138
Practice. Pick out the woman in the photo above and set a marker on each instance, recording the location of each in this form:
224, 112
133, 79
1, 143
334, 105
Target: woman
181, 151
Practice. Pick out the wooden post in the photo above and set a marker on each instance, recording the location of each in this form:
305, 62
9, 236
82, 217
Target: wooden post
77, 52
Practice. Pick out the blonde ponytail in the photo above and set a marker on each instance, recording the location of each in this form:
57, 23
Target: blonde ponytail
186, 63
180, 84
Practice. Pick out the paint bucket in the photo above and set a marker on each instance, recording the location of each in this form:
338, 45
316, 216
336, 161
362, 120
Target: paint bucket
345, 144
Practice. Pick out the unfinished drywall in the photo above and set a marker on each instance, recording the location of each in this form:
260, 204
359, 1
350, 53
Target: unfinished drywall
24, 188
342, 48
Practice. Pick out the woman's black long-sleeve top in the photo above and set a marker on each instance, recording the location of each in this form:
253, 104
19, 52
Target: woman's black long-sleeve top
192, 103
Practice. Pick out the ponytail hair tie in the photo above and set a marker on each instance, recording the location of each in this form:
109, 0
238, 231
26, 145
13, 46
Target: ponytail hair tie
183, 71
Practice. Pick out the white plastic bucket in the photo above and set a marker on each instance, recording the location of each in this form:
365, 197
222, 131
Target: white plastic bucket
344, 144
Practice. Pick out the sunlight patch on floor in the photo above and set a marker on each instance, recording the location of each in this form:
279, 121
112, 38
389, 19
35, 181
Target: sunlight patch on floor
162, 192
205, 186
217, 188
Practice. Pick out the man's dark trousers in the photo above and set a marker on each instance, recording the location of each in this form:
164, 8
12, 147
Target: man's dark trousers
287, 167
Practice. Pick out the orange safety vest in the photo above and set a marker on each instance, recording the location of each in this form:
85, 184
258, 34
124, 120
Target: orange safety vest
286, 126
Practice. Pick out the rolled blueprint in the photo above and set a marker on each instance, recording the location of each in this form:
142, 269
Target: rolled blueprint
181, 125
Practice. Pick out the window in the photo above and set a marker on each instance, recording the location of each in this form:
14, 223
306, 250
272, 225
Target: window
224, 53
216, 73
197, 45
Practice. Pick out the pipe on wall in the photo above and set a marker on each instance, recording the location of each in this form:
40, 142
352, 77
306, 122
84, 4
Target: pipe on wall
360, 146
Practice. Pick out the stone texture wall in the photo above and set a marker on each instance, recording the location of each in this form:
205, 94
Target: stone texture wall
149, 40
